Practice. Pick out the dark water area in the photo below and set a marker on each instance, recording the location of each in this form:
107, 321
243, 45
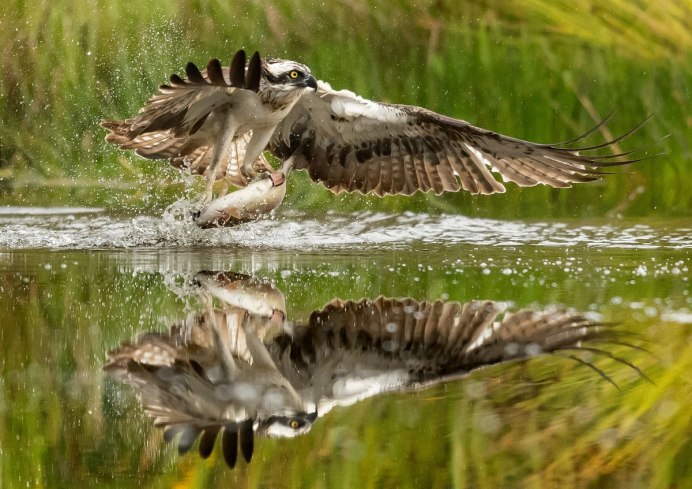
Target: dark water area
81, 289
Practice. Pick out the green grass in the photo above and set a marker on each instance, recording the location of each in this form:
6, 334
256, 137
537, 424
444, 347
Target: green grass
537, 70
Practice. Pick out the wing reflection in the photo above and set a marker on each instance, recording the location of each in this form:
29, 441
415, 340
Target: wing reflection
241, 368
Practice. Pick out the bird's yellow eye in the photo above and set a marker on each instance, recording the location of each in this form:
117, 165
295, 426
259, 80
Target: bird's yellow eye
294, 423
293, 74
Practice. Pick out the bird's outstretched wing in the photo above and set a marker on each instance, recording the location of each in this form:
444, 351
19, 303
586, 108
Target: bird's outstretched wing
167, 126
353, 350
352, 144
177, 378
183, 105
188, 154
435, 339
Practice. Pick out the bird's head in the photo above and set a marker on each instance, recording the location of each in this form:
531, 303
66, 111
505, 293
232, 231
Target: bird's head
285, 75
287, 424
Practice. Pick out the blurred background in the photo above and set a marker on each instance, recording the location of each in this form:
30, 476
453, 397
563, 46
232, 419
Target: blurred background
542, 70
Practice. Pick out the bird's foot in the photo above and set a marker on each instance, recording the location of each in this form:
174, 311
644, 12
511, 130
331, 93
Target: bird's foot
277, 177
249, 173
207, 196
204, 199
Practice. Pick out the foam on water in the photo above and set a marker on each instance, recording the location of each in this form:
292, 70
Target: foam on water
15, 211
46, 228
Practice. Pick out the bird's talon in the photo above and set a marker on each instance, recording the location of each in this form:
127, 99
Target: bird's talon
249, 173
278, 178
205, 198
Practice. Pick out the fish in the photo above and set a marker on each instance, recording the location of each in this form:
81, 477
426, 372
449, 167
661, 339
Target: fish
257, 199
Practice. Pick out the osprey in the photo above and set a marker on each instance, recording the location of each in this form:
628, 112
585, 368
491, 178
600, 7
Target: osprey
218, 122
243, 369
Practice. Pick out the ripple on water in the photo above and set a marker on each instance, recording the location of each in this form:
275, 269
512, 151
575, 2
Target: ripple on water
70, 228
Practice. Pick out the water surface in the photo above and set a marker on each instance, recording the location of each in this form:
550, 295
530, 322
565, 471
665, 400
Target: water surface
81, 228
77, 283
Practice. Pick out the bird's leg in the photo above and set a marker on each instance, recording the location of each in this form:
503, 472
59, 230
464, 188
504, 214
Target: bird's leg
260, 355
260, 139
224, 188
228, 364
220, 150
279, 176
287, 166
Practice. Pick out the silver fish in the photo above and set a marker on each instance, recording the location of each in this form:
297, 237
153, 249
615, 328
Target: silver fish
250, 203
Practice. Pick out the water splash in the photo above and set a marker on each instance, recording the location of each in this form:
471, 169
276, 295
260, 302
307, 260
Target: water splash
41, 228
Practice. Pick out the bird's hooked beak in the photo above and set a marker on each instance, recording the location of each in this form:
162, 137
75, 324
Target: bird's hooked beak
311, 82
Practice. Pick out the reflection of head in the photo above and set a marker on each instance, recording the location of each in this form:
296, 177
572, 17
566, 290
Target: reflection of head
287, 426
234, 371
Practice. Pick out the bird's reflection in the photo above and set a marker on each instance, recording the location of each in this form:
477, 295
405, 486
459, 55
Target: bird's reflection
242, 369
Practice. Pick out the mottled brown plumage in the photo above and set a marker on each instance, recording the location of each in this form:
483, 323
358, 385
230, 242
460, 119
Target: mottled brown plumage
224, 118
215, 119
242, 369
350, 144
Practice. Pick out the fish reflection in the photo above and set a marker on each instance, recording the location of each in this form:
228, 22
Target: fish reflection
241, 369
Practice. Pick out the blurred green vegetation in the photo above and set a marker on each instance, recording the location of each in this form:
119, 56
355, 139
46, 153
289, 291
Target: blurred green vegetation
545, 422
542, 70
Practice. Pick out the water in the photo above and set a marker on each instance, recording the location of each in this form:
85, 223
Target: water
78, 283
83, 228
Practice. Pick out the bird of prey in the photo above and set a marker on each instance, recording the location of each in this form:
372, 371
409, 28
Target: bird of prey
217, 116
218, 122
242, 369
